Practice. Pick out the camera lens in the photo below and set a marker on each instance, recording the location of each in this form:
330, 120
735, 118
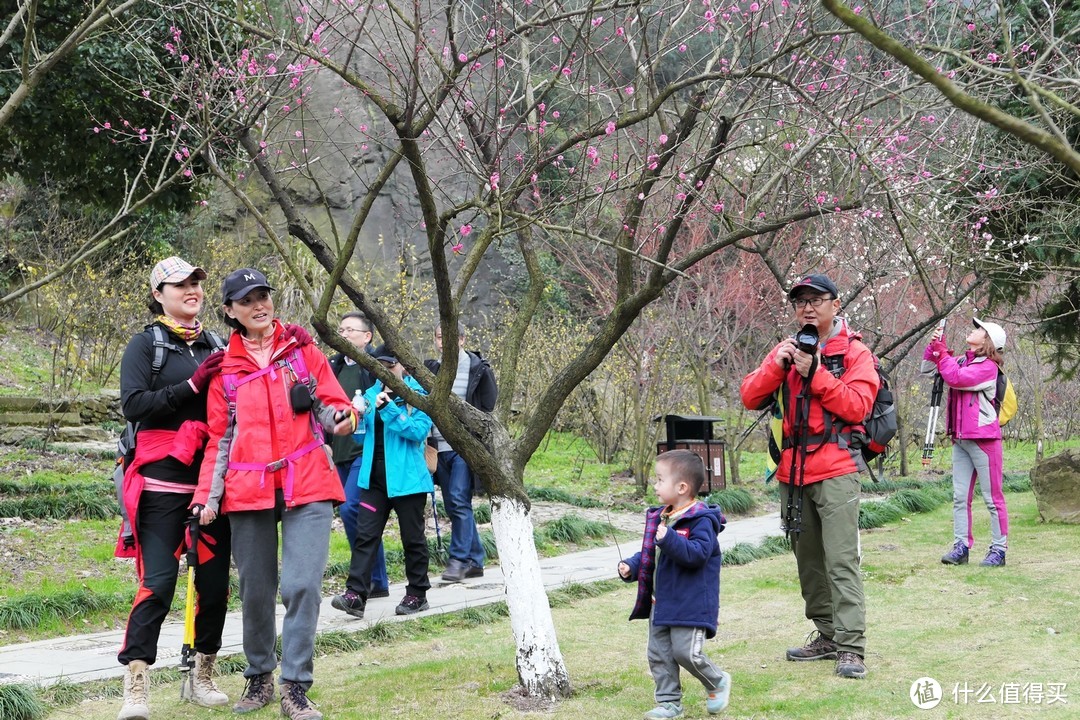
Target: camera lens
807, 339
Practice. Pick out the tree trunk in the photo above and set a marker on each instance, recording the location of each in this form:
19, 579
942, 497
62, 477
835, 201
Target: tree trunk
901, 427
540, 665
1038, 421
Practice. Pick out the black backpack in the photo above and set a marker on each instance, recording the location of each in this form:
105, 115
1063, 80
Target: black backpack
879, 427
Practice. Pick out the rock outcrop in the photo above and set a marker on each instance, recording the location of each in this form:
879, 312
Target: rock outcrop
1056, 483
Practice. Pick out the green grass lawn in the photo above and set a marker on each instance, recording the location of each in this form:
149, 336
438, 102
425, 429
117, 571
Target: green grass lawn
993, 629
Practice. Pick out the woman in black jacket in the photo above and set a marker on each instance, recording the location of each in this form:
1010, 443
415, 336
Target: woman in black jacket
164, 374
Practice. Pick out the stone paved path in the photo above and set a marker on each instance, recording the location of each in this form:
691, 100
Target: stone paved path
80, 658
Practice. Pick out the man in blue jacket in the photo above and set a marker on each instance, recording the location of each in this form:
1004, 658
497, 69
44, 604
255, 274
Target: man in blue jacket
393, 476
474, 382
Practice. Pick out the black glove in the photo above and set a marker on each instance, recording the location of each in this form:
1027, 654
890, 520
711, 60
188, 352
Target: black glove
129, 542
209, 368
302, 336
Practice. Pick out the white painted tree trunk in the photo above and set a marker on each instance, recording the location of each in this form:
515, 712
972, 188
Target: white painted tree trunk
540, 665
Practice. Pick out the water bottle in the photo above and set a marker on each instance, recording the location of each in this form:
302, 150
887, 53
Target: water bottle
360, 406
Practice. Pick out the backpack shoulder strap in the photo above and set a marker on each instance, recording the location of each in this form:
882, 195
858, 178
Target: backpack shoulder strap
161, 344
215, 340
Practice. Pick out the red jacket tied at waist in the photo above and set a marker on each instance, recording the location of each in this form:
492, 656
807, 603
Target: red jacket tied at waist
150, 447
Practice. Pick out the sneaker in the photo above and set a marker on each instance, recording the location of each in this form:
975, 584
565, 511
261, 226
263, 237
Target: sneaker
820, 648
850, 665
717, 700
994, 558
258, 693
349, 602
295, 704
411, 604
455, 571
958, 555
664, 710
474, 570
379, 593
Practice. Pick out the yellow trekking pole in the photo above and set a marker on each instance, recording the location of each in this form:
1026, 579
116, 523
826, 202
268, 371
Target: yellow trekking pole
187, 650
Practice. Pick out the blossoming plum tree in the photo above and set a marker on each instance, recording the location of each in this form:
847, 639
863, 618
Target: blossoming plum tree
530, 127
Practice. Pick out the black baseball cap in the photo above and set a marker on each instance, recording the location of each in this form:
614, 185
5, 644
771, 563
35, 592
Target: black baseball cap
240, 282
385, 354
821, 283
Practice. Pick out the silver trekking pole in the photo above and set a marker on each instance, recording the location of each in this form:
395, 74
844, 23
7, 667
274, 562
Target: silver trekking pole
935, 410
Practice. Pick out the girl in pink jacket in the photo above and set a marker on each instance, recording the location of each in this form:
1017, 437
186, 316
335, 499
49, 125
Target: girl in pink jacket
972, 423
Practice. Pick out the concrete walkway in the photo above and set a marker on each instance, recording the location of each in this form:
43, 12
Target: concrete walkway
80, 658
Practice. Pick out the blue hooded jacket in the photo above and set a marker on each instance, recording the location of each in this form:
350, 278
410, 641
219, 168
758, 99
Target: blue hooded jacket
405, 431
682, 588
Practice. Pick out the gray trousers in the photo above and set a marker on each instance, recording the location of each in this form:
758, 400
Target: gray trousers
305, 546
673, 647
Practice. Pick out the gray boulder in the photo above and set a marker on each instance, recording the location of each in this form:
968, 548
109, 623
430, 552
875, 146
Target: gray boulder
1056, 483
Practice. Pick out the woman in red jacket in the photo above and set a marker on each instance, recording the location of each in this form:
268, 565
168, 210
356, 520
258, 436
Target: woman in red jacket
266, 462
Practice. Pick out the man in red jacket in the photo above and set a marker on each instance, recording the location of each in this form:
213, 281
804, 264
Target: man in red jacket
826, 527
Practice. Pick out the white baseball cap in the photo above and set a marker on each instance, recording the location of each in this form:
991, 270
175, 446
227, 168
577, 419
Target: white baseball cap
995, 331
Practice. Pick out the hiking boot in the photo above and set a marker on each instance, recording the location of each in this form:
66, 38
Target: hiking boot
664, 710
850, 665
411, 604
820, 648
136, 688
379, 593
350, 602
455, 571
295, 704
994, 558
200, 688
474, 570
717, 700
958, 555
258, 693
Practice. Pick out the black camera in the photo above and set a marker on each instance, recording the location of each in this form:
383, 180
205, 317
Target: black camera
807, 339
300, 398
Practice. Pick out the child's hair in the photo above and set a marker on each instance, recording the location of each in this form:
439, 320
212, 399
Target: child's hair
687, 467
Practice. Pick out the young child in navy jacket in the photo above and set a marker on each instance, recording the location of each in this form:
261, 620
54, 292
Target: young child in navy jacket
678, 576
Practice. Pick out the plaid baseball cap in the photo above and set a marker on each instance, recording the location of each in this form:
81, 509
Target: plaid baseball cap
820, 283
174, 270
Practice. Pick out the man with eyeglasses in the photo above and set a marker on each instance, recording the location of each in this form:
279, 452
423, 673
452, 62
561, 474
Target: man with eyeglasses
826, 544
348, 454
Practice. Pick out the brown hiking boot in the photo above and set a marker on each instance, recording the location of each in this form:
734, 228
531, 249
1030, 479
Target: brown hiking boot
820, 648
295, 704
258, 692
850, 665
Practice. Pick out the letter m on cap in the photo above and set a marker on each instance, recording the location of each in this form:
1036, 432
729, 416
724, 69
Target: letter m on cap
249, 277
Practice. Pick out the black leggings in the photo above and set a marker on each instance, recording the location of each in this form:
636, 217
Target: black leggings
160, 529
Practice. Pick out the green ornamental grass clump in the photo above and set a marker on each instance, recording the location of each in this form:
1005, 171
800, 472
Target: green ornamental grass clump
733, 501
19, 702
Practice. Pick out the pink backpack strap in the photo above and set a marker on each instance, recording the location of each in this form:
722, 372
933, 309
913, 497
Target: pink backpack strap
294, 361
